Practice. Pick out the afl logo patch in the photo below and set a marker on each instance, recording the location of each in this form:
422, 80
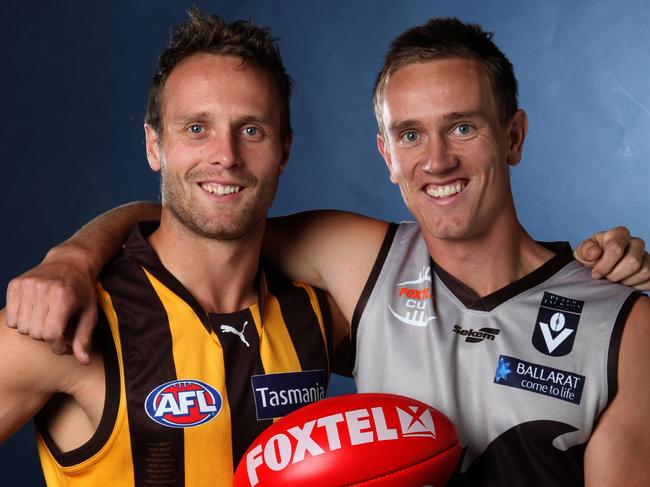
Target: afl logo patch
183, 403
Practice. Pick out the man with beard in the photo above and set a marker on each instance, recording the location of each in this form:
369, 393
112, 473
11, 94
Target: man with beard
448, 310
196, 340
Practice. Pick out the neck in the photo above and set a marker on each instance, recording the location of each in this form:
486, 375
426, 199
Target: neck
220, 274
489, 262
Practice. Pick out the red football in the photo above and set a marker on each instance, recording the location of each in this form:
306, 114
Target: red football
369, 439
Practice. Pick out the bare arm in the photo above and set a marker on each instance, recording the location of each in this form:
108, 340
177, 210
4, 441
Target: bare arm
618, 451
29, 375
42, 301
332, 250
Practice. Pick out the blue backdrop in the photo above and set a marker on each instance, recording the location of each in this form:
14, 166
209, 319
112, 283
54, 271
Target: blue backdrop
75, 76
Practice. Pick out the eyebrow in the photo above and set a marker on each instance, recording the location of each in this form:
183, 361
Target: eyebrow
202, 116
461, 115
448, 118
261, 119
403, 125
192, 117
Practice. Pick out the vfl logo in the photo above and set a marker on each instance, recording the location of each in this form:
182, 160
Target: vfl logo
183, 403
240, 334
416, 300
473, 336
557, 323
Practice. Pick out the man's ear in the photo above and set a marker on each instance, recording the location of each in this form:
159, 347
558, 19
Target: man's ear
286, 150
517, 128
153, 147
384, 150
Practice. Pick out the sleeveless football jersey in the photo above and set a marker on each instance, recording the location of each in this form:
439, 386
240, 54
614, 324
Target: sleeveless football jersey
188, 391
523, 373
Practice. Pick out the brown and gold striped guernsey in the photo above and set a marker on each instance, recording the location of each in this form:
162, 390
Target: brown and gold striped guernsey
169, 364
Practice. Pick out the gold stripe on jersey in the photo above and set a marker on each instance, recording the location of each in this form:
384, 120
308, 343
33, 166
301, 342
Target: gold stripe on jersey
203, 462
156, 332
115, 454
276, 347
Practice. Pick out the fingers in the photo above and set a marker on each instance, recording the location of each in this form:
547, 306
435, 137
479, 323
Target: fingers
83, 334
613, 244
13, 303
617, 256
588, 252
40, 308
641, 279
25, 293
55, 323
42, 301
630, 263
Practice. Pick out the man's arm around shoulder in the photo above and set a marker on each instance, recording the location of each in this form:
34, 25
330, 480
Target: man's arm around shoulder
329, 249
619, 449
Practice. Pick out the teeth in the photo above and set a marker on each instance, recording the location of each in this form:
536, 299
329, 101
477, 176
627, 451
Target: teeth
220, 189
445, 191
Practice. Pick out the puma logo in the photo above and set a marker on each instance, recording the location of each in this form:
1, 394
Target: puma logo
240, 334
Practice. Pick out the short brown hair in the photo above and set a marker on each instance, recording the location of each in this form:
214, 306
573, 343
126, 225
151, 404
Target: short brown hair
204, 33
443, 38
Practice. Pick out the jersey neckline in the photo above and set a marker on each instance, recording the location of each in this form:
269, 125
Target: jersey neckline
471, 300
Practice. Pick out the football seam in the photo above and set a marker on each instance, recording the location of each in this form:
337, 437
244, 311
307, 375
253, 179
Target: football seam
401, 469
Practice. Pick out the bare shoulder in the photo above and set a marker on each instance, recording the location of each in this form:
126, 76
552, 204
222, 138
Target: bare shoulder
620, 445
331, 249
331, 226
635, 345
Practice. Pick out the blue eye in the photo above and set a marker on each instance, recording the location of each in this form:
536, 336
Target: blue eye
463, 129
410, 137
195, 128
251, 131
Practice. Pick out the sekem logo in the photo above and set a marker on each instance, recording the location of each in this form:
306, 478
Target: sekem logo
183, 403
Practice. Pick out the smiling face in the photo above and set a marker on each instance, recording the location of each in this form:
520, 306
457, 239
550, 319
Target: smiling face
221, 149
447, 149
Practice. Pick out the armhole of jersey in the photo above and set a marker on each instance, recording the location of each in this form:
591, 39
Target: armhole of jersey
615, 345
104, 340
370, 284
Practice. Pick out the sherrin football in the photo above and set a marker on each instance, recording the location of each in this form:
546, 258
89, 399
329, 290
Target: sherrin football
357, 439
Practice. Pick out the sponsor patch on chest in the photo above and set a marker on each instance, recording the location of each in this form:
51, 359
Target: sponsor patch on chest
183, 403
277, 395
540, 379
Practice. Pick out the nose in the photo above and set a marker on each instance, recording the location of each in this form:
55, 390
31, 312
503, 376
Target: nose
223, 150
438, 158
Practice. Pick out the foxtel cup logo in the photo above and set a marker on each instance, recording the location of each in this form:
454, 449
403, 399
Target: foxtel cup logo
344, 429
413, 301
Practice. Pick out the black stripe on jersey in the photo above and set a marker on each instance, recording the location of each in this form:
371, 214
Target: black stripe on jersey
370, 284
138, 248
102, 340
615, 344
300, 320
240, 361
327, 324
157, 450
